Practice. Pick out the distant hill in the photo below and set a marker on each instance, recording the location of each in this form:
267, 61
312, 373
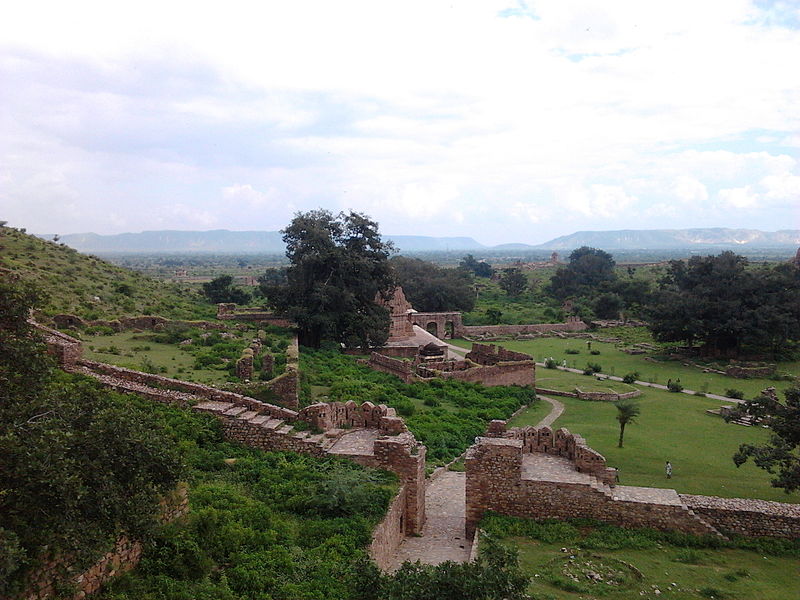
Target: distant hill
665, 239
224, 241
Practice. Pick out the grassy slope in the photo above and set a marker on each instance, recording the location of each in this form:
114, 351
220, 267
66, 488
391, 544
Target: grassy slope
72, 281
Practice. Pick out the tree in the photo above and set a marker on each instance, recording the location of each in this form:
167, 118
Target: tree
494, 315
627, 412
78, 464
588, 268
513, 281
430, 288
339, 263
221, 289
608, 306
780, 456
726, 306
477, 268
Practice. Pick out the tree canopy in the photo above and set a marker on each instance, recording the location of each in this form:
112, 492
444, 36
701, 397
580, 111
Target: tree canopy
781, 455
431, 288
339, 263
513, 282
587, 269
476, 267
725, 306
221, 289
77, 464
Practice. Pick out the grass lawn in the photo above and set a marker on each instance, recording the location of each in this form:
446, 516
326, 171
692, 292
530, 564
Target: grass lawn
169, 360
671, 427
554, 379
716, 573
616, 362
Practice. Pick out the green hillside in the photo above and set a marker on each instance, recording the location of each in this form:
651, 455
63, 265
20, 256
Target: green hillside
90, 287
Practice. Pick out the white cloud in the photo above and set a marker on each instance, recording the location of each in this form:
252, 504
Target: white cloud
743, 197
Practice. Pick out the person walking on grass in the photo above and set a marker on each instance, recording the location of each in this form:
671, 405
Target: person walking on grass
668, 470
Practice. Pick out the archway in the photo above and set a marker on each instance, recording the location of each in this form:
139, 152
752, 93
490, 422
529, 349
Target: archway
449, 330
432, 328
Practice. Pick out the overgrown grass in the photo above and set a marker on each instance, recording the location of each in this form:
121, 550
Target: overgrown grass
445, 415
678, 565
262, 525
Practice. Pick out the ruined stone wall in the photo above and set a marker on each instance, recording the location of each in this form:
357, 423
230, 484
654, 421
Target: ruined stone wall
286, 385
606, 396
402, 454
399, 368
228, 311
169, 386
490, 354
440, 319
140, 322
123, 557
494, 482
742, 372
748, 517
571, 324
515, 373
389, 533
64, 348
348, 415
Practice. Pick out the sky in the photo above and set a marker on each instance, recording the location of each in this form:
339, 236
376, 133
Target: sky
505, 121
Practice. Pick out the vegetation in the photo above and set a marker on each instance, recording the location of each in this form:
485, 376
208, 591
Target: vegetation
433, 289
445, 415
221, 289
476, 267
627, 412
339, 264
587, 270
672, 427
781, 454
92, 288
513, 282
588, 559
727, 308
77, 465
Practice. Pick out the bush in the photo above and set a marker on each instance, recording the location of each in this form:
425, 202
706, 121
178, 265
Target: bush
594, 352
734, 393
594, 367
631, 377
549, 363
674, 386
572, 351
98, 330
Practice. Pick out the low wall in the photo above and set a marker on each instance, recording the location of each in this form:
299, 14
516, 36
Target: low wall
515, 373
572, 324
742, 516
348, 415
167, 384
592, 396
228, 311
389, 533
140, 322
490, 354
494, 482
393, 366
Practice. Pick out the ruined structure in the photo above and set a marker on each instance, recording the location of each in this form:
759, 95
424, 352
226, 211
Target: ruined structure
229, 311
487, 365
539, 473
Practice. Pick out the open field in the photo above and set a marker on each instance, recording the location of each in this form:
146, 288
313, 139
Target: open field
566, 561
672, 427
616, 362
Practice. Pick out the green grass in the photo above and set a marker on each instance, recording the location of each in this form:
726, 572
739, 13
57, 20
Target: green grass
560, 556
616, 362
741, 574
73, 281
672, 427
555, 379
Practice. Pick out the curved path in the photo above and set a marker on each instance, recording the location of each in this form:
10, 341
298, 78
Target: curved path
555, 412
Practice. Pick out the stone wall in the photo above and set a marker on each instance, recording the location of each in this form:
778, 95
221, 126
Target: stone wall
228, 311
516, 373
609, 396
748, 517
165, 388
490, 354
403, 369
64, 348
349, 415
440, 320
571, 324
123, 557
389, 533
140, 322
494, 482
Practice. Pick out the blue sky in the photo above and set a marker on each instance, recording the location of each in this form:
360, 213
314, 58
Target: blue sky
501, 120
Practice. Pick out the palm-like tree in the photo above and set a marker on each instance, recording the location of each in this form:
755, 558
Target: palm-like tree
627, 411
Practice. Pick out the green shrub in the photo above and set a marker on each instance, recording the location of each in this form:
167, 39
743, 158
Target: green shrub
594, 352
594, 367
631, 377
550, 363
674, 386
572, 351
734, 393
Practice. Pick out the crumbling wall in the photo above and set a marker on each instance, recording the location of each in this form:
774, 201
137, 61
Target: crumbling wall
516, 373
571, 324
229, 311
490, 354
399, 368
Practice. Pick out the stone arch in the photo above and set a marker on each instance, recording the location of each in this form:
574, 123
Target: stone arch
449, 330
432, 327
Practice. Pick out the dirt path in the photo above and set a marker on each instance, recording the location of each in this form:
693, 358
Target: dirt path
443, 536
555, 412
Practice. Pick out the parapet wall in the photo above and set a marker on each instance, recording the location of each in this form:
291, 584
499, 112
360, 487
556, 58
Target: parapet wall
348, 415
748, 517
490, 354
571, 324
403, 369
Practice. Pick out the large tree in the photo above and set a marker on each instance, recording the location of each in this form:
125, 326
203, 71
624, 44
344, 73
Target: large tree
431, 288
726, 307
781, 454
587, 270
513, 282
339, 263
